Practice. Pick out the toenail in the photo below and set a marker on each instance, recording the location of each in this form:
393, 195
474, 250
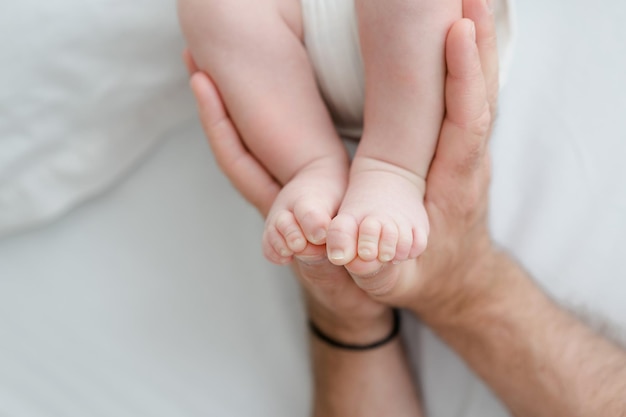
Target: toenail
285, 253
337, 255
319, 235
299, 242
365, 253
311, 260
385, 257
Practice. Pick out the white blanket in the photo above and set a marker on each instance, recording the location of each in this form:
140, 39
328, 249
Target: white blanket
86, 89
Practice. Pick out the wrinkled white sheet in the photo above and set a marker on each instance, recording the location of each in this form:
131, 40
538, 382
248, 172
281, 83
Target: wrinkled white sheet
86, 89
154, 299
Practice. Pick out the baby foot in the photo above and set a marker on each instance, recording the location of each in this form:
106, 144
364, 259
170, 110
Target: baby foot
304, 208
382, 216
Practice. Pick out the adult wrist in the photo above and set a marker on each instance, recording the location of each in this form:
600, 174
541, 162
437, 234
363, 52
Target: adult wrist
471, 288
361, 347
501, 296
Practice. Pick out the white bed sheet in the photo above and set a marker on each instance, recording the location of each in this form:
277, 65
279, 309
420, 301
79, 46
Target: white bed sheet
139, 304
87, 89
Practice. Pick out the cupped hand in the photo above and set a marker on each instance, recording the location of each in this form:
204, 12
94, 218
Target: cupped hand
336, 305
456, 197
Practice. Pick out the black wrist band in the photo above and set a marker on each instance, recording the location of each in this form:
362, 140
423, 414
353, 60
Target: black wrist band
347, 346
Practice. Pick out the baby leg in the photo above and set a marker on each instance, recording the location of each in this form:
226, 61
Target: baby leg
253, 51
382, 216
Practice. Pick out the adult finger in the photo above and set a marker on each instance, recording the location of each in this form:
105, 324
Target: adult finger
465, 83
189, 62
458, 176
482, 14
242, 169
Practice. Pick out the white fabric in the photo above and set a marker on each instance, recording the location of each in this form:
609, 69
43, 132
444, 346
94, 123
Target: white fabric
154, 300
86, 88
331, 36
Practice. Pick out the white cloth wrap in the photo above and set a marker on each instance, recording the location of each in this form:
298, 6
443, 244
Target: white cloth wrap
332, 40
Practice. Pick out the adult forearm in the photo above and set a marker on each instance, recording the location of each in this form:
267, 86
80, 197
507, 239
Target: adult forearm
537, 358
362, 384
370, 383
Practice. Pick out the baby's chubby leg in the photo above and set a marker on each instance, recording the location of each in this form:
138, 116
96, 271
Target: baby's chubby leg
382, 217
253, 50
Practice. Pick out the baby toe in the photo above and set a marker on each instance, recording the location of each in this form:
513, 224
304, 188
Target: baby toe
287, 226
275, 248
405, 243
314, 221
420, 239
341, 240
369, 237
388, 242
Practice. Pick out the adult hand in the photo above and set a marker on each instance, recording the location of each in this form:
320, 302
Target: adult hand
335, 303
457, 185
478, 300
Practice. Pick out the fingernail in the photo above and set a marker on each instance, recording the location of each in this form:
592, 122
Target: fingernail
472, 32
337, 255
